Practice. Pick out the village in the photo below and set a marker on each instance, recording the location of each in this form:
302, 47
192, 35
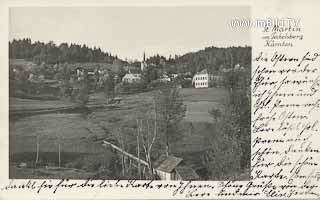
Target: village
98, 75
79, 112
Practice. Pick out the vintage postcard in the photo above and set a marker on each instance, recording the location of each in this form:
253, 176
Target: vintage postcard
160, 100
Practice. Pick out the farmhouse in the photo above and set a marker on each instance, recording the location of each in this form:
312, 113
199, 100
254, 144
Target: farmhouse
202, 79
131, 78
173, 168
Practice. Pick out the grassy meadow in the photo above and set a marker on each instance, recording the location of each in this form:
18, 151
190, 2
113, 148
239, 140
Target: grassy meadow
80, 134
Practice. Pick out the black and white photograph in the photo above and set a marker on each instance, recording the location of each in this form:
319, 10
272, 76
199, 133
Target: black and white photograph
129, 93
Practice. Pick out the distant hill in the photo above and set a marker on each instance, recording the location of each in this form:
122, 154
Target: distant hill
214, 58
50, 53
211, 58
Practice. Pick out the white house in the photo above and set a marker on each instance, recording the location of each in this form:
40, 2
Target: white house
131, 78
202, 79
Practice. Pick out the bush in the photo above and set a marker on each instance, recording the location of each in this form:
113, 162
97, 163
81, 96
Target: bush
131, 88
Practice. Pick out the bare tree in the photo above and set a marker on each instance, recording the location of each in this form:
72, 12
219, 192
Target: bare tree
147, 130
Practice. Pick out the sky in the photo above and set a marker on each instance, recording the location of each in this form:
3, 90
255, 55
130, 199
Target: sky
130, 31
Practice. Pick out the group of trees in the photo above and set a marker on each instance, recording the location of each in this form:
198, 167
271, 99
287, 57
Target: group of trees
214, 58
158, 126
39, 52
171, 111
211, 58
232, 128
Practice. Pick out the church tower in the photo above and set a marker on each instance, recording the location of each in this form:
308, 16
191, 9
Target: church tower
143, 63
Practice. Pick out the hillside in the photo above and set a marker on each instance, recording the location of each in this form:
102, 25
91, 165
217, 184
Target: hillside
212, 58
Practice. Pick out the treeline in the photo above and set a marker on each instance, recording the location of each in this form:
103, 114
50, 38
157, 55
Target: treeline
50, 53
211, 58
214, 58
232, 138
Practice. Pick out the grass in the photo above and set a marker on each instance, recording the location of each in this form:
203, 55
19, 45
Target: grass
203, 94
81, 133
200, 101
42, 173
18, 104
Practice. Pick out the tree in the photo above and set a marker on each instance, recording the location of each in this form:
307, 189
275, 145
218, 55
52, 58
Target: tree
150, 74
109, 87
50, 53
83, 96
215, 113
170, 111
121, 72
147, 133
231, 144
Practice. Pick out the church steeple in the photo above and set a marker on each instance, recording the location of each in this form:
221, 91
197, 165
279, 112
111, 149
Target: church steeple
143, 63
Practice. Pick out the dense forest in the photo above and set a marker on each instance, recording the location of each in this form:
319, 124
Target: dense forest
214, 58
211, 58
50, 53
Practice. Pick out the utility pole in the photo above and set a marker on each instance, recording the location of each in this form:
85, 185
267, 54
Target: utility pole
138, 149
38, 147
59, 151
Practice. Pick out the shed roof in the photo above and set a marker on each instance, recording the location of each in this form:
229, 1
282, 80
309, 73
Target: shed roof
187, 173
167, 163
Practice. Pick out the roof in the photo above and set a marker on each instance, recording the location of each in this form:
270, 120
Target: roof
187, 173
167, 163
132, 76
204, 71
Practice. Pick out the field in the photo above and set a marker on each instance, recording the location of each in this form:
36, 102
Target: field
80, 134
200, 101
18, 104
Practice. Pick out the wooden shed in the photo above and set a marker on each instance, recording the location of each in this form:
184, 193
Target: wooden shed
173, 168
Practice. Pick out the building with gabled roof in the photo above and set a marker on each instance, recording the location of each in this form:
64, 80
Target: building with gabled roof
131, 78
173, 168
201, 79
186, 173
